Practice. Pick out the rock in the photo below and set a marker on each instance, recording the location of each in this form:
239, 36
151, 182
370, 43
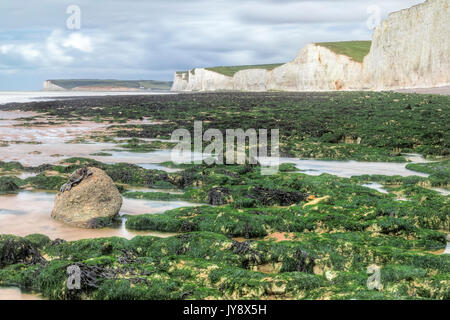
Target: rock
219, 196
57, 242
76, 178
269, 197
304, 262
8, 185
38, 240
90, 202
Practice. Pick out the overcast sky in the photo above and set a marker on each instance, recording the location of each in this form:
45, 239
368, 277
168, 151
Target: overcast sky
151, 39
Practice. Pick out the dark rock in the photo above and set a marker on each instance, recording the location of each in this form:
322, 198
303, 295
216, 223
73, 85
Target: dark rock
304, 262
7, 185
92, 275
219, 196
250, 256
269, 197
57, 242
18, 250
188, 226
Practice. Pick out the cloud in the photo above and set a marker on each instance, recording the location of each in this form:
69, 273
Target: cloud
27, 51
58, 49
78, 41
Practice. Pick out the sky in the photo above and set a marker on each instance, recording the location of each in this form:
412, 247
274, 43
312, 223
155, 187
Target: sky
151, 39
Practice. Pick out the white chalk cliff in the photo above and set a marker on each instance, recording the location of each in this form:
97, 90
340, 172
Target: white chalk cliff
411, 49
50, 86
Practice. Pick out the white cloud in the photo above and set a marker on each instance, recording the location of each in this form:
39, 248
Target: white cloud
27, 51
78, 41
59, 49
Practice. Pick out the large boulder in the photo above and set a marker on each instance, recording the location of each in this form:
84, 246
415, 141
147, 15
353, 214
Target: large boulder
92, 201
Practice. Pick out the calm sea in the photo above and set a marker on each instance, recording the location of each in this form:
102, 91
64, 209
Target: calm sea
29, 96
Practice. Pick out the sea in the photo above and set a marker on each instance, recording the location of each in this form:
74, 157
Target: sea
30, 96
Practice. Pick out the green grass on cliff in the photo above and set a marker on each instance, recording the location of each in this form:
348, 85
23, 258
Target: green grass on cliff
231, 70
356, 50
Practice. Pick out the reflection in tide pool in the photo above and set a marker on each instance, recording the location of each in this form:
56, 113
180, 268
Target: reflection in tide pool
444, 192
375, 186
29, 212
136, 207
150, 160
152, 166
144, 189
14, 293
51, 153
347, 169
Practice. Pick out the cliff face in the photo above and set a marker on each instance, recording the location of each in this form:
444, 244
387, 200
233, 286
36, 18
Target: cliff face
315, 68
50, 86
410, 49
201, 79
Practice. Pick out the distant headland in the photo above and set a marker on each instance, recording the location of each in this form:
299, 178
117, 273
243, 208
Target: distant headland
105, 85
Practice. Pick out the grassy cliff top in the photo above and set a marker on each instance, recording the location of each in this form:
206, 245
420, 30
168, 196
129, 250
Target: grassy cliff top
231, 70
143, 84
356, 50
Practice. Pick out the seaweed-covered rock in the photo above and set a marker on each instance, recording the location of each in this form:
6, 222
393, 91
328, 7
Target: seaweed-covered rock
57, 242
304, 262
8, 185
219, 196
250, 255
17, 250
76, 177
95, 197
270, 197
38, 240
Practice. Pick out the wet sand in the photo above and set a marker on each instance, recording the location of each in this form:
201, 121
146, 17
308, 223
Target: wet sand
436, 90
35, 145
14, 293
